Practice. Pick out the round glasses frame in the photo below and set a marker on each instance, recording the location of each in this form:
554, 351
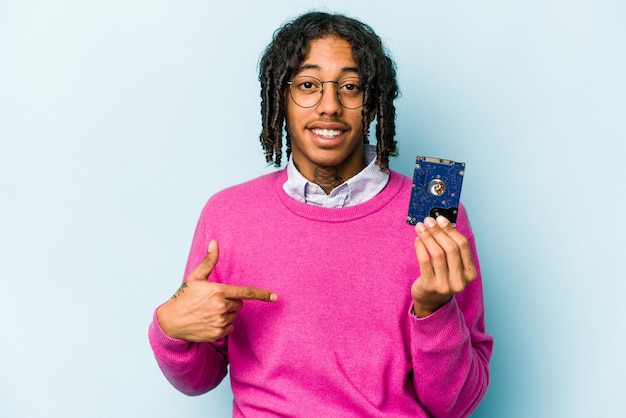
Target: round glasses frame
308, 87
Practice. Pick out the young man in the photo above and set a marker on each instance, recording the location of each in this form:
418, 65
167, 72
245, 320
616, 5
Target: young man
348, 310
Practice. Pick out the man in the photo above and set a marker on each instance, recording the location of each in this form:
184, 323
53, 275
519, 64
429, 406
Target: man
348, 311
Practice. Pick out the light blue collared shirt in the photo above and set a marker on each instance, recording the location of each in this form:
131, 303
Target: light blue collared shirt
357, 189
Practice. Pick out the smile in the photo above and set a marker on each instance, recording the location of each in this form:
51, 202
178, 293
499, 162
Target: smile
327, 133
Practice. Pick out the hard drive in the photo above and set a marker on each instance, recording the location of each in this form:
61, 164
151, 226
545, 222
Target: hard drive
436, 189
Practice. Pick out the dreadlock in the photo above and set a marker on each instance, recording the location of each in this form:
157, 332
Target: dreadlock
376, 70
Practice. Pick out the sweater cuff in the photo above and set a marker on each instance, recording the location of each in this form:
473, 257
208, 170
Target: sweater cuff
445, 324
160, 341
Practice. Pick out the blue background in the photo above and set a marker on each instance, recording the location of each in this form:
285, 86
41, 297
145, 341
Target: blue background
119, 119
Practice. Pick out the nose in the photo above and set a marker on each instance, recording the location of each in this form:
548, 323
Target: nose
329, 103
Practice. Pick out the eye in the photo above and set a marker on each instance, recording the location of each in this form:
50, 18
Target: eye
350, 86
307, 84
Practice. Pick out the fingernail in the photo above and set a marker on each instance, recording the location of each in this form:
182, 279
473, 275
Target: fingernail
430, 222
211, 246
420, 227
442, 221
273, 297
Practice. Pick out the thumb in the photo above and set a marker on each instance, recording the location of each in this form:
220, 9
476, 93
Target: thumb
204, 269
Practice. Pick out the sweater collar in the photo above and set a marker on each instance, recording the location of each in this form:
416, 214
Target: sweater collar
387, 195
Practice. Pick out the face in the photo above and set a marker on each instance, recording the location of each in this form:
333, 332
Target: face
326, 135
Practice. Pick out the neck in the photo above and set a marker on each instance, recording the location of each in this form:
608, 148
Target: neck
327, 178
330, 177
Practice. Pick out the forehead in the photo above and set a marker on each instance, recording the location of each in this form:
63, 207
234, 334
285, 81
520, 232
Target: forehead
327, 55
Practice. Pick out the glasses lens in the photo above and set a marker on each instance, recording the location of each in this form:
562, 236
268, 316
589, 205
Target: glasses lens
350, 92
306, 91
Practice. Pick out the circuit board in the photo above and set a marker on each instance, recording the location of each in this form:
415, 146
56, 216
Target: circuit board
436, 189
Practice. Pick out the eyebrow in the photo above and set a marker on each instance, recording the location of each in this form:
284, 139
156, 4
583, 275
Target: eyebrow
318, 68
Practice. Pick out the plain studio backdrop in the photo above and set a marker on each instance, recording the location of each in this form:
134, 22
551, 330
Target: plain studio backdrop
119, 119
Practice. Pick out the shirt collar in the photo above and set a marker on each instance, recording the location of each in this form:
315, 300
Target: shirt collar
357, 189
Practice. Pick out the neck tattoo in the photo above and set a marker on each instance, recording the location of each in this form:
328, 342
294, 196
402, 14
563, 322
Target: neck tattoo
327, 178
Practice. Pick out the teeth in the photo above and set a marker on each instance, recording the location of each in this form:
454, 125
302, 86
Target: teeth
327, 133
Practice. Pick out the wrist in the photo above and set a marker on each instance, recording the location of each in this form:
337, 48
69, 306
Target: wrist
422, 310
162, 320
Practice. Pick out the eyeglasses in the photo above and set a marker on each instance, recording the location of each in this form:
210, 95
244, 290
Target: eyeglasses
307, 91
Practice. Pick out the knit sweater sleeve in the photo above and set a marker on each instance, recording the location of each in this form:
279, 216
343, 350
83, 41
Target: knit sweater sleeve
192, 368
451, 350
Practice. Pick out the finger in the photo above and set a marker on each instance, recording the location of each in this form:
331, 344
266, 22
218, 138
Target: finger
429, 291
442, 230
235, 305
224, 306
437, 253
423, 259
457, 251
446, 235
465, 251
206, 266
248, 293
216, 334
225, 320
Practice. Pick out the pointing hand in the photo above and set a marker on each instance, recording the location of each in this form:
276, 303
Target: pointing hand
204, 311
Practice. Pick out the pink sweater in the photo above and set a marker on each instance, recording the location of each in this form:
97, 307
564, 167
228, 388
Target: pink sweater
340, 341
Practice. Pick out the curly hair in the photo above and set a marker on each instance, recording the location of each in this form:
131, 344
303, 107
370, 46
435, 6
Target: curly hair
377, 71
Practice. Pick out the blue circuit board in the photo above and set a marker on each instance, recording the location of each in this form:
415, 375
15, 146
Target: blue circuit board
436, 189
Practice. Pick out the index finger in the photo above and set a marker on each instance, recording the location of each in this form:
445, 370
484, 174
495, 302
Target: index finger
248, 293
